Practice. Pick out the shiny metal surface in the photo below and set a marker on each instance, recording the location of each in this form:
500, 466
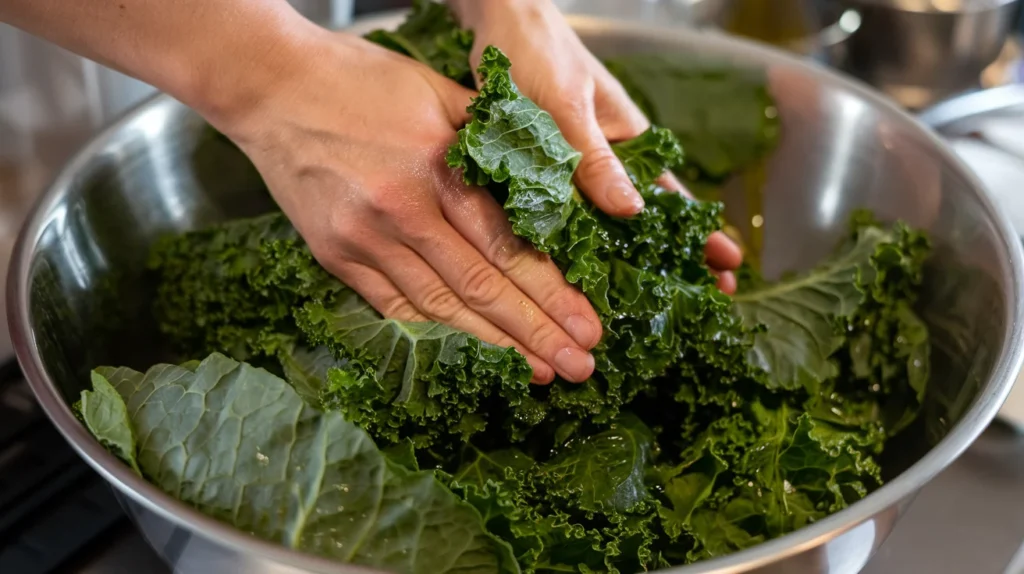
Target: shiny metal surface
832, 26
922, 52
986, 129
78, 298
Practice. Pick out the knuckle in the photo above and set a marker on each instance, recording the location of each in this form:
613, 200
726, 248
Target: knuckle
505, 249
400, 308
482, 286
418, 231
548, 336
599, 161
441, 303
387, 200
570, 99
565, 299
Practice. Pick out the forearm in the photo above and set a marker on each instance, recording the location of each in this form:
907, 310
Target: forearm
213, 55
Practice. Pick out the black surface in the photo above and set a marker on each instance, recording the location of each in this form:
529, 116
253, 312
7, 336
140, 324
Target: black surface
53, 507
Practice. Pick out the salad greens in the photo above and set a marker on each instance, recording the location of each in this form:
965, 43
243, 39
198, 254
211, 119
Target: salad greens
711, 423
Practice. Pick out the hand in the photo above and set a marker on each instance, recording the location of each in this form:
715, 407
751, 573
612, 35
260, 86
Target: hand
553, 68
352, 146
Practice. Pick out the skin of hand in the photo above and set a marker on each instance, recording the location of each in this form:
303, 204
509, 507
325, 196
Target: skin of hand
585, 100
356, 160
351, 141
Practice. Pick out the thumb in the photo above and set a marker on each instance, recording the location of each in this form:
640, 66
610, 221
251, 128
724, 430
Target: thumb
600, 175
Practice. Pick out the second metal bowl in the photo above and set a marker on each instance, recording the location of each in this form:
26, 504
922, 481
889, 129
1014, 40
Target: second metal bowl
922, 51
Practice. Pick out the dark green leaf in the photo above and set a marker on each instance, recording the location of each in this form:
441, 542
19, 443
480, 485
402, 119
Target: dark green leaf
239, 444
105, 415
605, 471
431, 35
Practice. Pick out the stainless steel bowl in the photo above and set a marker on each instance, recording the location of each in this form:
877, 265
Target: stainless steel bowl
77, 301
832, 25
921, 51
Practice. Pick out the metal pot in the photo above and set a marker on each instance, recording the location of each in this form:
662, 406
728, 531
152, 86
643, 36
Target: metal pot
77, 300
921, 51
831, 26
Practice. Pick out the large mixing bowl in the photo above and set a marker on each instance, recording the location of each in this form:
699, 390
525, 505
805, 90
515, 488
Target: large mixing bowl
77, 299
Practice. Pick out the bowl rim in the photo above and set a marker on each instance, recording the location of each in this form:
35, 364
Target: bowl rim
902, 488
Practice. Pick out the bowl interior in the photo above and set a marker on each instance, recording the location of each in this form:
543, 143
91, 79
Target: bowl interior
160, 170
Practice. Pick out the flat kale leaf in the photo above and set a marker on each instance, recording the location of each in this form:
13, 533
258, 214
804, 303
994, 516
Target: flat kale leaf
239, 444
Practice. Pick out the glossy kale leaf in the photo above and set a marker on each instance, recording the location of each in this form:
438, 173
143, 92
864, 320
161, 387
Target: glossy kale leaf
803, 319
846, 332
605, 471
239, 444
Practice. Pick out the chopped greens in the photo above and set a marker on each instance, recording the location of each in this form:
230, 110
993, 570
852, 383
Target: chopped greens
710, 425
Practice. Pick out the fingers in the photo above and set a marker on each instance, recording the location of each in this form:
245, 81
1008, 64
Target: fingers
727, 282
600, 175
378, 291
436, 300
483, 223
721, 253
478, 285
619, 117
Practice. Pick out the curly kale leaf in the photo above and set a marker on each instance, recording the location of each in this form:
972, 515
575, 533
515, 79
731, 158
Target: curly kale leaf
421, 378
710, 424
846, 332
803, 319
431, 36
239, 444
251, 288
604, 471
566, 514
634, 271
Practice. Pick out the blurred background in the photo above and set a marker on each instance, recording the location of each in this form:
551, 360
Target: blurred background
961, 60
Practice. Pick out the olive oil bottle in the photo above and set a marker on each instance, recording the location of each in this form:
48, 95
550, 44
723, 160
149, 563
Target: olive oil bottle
784, 23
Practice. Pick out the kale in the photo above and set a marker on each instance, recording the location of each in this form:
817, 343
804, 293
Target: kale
728, 122
239, 444
710, 424
431, 36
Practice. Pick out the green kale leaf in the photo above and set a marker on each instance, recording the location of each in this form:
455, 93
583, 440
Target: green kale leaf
431, 36
723, 116
710, 424
239, 444
252, 289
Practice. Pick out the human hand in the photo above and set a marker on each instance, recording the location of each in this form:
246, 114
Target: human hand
352, 146
589, 105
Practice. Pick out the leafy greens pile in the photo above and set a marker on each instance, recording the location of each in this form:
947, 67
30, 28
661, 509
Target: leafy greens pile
711, 423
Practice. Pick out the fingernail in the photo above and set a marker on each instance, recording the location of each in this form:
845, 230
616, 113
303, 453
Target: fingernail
625, 198
727, 282
582, 330
574, 365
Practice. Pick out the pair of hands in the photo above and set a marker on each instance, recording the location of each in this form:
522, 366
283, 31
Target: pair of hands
352, 147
